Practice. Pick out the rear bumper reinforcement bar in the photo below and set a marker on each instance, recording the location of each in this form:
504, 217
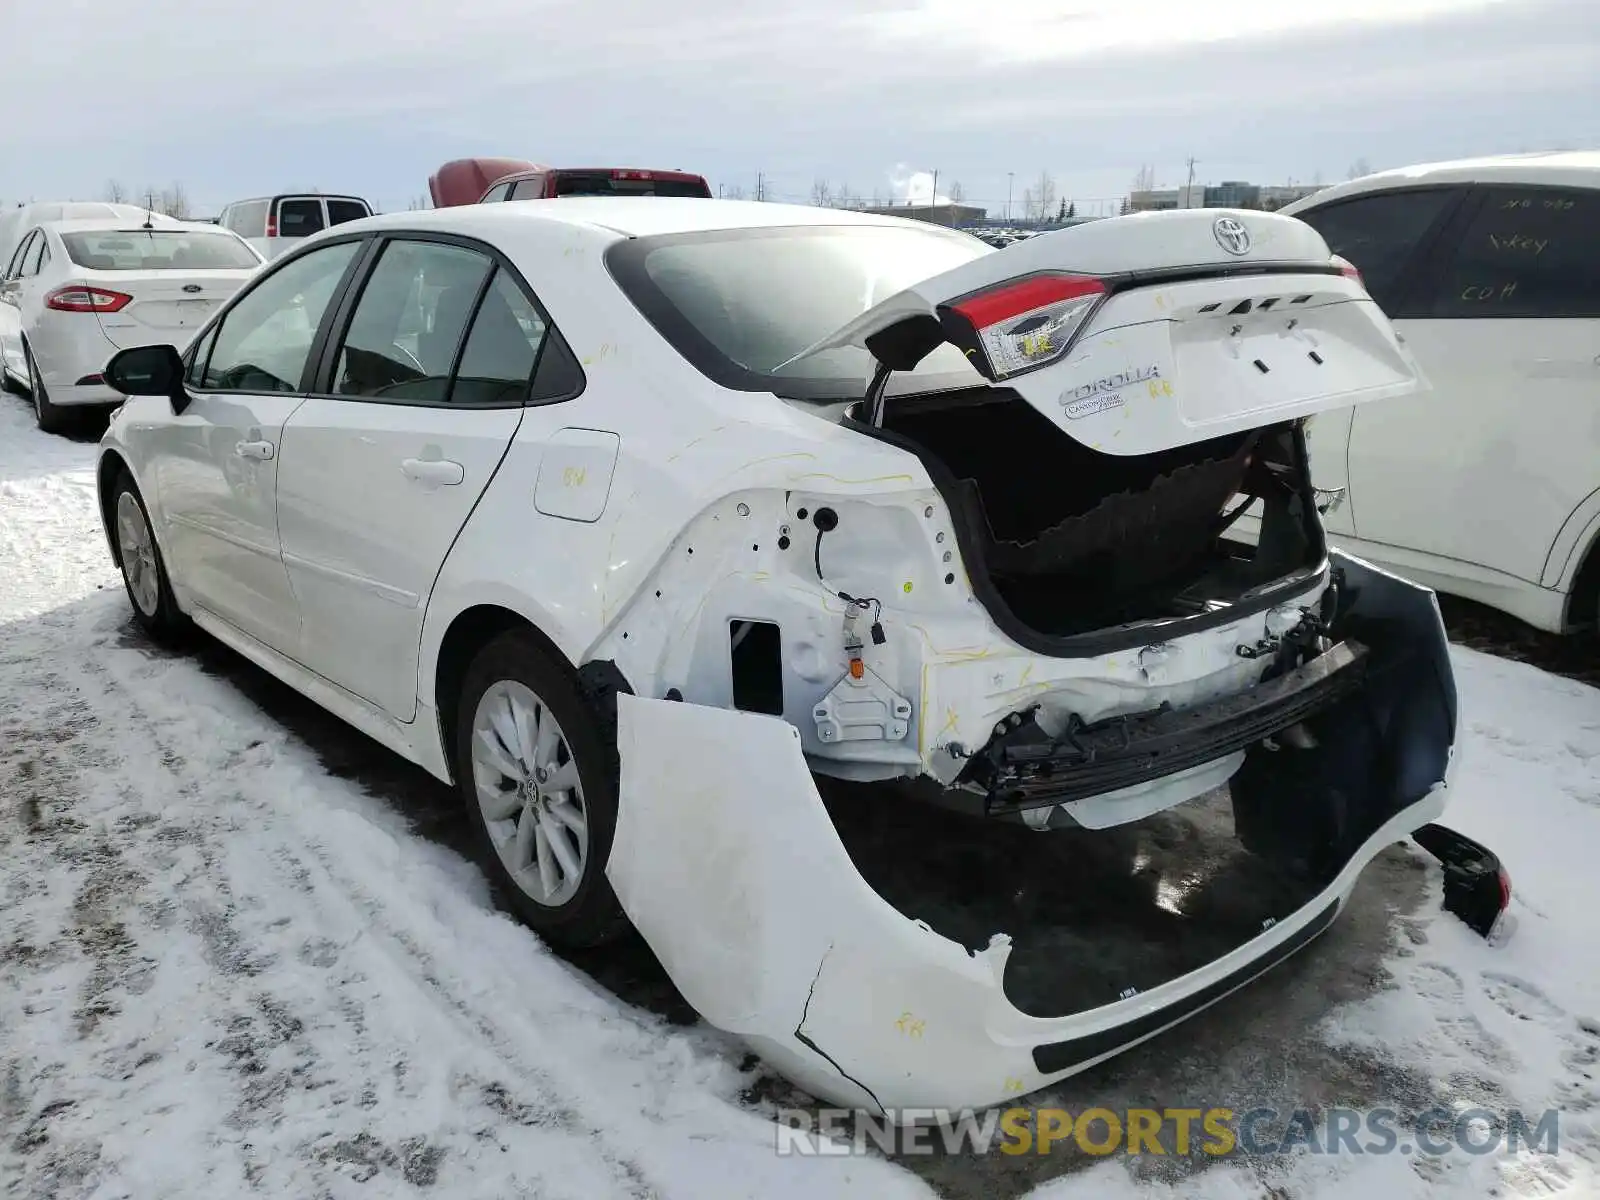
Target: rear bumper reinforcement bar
1024, 767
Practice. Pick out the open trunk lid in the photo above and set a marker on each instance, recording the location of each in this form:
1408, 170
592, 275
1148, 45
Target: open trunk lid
1142, 333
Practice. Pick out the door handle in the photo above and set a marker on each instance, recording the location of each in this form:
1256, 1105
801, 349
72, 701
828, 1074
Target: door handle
437, 472
256, 450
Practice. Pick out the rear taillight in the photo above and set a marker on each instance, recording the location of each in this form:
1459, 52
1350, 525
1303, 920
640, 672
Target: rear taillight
1348, 269
80, 299
1024, 324
272, 226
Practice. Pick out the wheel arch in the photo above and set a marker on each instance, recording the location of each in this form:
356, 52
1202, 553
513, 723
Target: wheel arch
110, 466
1583, 600
473, 628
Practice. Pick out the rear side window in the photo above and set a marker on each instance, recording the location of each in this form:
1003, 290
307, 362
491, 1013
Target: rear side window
158, 250
340, 211
1380, 234
1528, 252
31, 264
597, 183
299, 217
408, 324
497, 362
15, 267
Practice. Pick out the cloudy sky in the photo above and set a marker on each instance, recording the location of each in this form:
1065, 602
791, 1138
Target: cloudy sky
235, 98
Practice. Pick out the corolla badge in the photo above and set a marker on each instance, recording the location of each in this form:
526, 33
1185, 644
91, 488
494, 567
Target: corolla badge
1231, 235
191, 287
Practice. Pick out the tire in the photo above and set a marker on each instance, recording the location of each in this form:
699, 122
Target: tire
50, 417
144, 573
511, 688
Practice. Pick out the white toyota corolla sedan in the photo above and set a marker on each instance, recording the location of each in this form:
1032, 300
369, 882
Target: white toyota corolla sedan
85, 288
630, 517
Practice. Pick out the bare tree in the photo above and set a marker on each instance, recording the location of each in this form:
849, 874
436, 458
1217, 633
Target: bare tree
116, 193
1045, 194
734, 193
821, 194
877, 198
957, 192
417, 204
173, 201
1359, 168
1145, 179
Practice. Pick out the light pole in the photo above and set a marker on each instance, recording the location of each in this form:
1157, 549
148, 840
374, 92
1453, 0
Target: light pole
1010, 178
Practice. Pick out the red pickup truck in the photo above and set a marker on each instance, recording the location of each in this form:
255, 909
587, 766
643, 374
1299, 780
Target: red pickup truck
483, 180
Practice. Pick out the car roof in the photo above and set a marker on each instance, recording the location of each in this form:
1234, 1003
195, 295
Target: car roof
1554, 168
627, 216
296, 196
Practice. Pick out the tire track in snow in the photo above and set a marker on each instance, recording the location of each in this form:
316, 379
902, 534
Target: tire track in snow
284, 847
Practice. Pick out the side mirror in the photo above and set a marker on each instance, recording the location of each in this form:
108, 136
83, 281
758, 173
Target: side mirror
148, 371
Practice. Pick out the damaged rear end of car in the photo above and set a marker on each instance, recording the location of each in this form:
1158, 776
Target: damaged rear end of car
1087, 763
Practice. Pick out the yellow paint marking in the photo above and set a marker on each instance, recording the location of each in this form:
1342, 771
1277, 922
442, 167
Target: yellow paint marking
910, 1025
1013, 1085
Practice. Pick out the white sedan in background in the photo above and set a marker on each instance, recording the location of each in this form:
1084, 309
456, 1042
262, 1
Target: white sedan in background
1487, 483
83, 289
626, 516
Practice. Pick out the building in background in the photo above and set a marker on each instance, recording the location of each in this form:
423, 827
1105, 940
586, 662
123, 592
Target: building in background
937, 214
1232, 193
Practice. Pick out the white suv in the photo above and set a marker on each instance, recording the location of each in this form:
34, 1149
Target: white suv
1488, 485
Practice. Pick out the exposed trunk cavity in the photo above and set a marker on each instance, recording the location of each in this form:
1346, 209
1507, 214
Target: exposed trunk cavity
1073, 539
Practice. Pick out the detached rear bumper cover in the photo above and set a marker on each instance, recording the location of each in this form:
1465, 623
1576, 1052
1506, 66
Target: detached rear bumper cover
730, 867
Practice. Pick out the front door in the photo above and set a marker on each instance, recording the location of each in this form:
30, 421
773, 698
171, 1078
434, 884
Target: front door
425, 389
216, 463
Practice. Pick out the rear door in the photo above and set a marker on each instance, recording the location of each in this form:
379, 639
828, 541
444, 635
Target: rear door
1486, 466
419, 396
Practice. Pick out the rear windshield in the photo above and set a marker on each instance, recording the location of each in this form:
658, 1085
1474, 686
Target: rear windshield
340, 211
299, 218
739, 304
158, 250
598, 183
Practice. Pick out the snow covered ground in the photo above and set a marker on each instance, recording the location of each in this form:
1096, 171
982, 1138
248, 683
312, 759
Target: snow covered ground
225, 969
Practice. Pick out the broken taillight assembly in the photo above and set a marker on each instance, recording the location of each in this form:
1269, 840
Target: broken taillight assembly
1022, 324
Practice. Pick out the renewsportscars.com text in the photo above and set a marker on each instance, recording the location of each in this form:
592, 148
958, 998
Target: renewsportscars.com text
1176, 1131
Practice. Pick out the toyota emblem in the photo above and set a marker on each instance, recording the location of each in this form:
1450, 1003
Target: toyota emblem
1231, 235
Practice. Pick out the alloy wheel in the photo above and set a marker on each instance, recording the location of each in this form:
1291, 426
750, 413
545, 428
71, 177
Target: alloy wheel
529, 792
137, 550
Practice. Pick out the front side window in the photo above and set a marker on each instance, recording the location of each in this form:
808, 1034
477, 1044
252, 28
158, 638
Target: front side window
300, 217
266, 335
404, 333
1380, 234
497, 193
158, 250
528, 189
1528, 252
